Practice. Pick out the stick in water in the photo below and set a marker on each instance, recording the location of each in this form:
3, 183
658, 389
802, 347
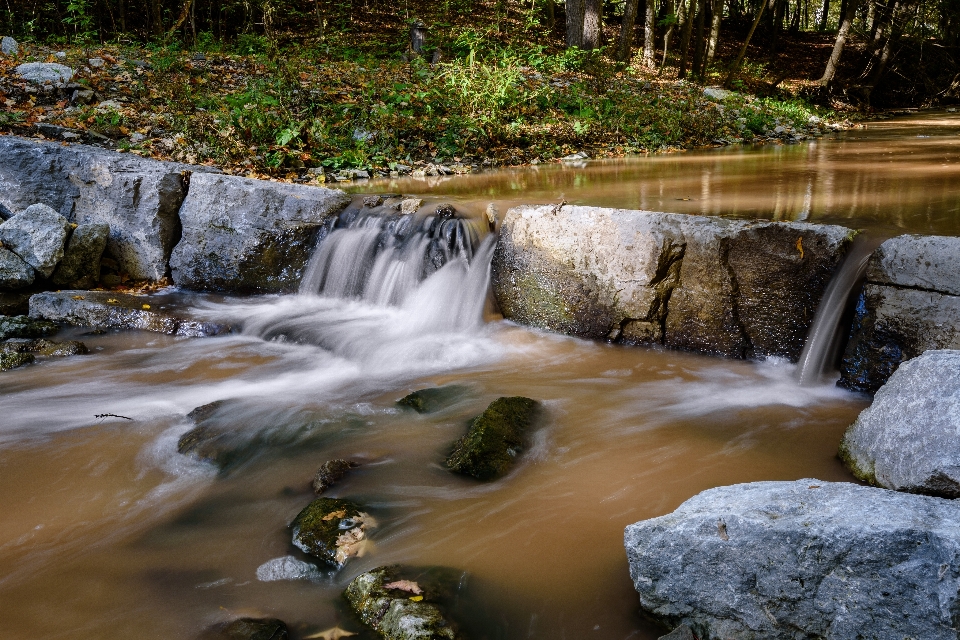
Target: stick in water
111, 415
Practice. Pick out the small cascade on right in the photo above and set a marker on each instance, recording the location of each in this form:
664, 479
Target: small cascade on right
826, 335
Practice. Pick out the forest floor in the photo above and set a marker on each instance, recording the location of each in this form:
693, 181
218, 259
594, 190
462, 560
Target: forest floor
311, 109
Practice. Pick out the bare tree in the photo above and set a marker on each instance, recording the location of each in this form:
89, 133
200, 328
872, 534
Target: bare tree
714, 33
625, 42
685, 33
842, 34
648, 26
592, 19
746, 43
574, 11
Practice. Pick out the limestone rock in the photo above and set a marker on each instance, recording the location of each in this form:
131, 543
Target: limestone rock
138, 198
243, 235
432, 399
330, 473
9, 46
287, 568
24, 327
331, 530
12, 360
14, 272
37, 234
909, 304
495, 438
248, 629
399, 604
735, 288
907, 439
108, 310
80, 267
802, 560
44, 72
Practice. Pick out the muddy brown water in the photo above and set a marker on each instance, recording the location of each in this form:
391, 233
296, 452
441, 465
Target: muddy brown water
107, 532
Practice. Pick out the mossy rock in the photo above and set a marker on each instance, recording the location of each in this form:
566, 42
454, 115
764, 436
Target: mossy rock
331, 472
331, 530
248, 629
24, 327
495, 438
432, 399
400, 604
12, 360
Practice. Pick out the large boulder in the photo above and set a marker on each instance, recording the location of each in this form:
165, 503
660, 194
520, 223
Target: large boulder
37, 234
802, 560
243, 235
9, 46
14, 272
44, 72
80, 267
907, 439
735, 288
106, 310
138, 198
909, 304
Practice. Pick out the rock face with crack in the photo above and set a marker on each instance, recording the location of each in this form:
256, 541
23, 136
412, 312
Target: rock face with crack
734, 288
907, 439
37, 234
109, 310
250, 236
80, 267
138, 198
910, 303
802, 560
332, 530
399, 604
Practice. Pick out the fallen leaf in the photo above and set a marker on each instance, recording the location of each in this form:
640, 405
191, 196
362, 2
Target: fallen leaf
113, 301
335, 514
405, 585
331, 634
800, 246
415, 598
77, 297
146, 306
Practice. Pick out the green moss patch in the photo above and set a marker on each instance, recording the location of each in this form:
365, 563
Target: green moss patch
495, 438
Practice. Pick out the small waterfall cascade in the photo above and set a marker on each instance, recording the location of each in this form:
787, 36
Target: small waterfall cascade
826, 335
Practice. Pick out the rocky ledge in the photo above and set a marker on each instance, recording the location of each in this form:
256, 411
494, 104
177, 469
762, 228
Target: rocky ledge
801, 560
735, 288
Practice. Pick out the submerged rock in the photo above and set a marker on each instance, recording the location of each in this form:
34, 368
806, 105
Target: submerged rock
432, 399
399, 605
495, 438
244, 236
108, 310
12, 359
14, 272
332, 530
80, 267
907, 439
803, 560
745, 289
909, 304
24, 327
331, 472
45, 347
287, 568
248, 629
37, 234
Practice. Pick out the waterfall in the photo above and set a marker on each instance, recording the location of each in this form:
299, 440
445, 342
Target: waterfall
825, 336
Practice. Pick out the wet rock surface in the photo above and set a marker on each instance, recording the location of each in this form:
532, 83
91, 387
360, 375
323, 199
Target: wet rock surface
330, 473
907, 439
495, 438
138, 198
801, 560
14, 272
248, 629
107, 310
37, 234
433, 398
909, 304
736, 288
24, 327
13, 359
402, 603
246, 236
80, 267
44, 347
331, 530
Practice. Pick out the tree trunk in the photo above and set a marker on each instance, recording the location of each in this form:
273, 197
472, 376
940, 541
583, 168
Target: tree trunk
648, 34
625, 43
669, 34
714, 33
574, 11
685, 34
699, 44
592, 18
122, 14
746, 43
156, 18
847, 20
824, 15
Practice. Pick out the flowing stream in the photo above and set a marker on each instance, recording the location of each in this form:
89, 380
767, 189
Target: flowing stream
108, 532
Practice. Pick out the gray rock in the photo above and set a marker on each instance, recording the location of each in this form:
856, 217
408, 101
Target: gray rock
44, 347
12, 360
330, 473
24, 327
909, 304
683, 632
242, 235
332, 530
43, 72
107, 310
9, 46
14, 272
5, 213
80, 267
907, 439
735, 288
96, 63
287, 568
717, 93
138, 198
802, 560
37, 234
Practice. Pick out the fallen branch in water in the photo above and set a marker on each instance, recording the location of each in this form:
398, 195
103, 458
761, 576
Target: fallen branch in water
111, 415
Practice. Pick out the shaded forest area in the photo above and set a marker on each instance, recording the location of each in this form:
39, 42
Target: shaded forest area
883, 53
